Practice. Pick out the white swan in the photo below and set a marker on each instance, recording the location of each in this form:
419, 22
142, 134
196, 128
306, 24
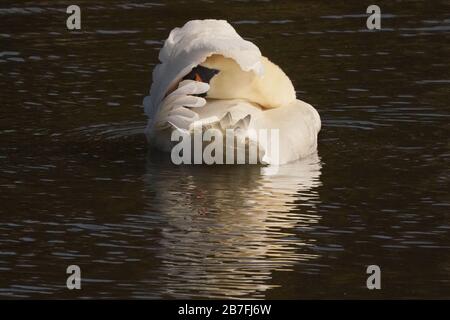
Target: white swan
240, 88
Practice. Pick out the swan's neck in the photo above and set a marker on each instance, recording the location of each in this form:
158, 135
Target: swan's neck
271, 90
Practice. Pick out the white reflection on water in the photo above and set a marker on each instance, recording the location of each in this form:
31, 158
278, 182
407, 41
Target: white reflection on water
227, 228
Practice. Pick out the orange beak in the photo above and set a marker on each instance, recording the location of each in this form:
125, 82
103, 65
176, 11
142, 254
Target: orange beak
198, 78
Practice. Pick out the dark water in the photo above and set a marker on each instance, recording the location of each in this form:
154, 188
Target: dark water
79, 186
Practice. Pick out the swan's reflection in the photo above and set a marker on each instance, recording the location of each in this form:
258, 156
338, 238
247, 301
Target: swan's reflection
227, 228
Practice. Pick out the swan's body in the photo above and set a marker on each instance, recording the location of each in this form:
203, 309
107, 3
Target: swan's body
246, 88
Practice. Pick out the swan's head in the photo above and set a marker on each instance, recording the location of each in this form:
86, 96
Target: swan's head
228, 81
202, 74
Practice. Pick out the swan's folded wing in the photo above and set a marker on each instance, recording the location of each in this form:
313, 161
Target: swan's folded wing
174, 109
298, 124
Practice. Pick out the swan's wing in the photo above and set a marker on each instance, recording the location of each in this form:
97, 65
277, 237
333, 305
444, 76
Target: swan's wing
298, 124
175, 109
